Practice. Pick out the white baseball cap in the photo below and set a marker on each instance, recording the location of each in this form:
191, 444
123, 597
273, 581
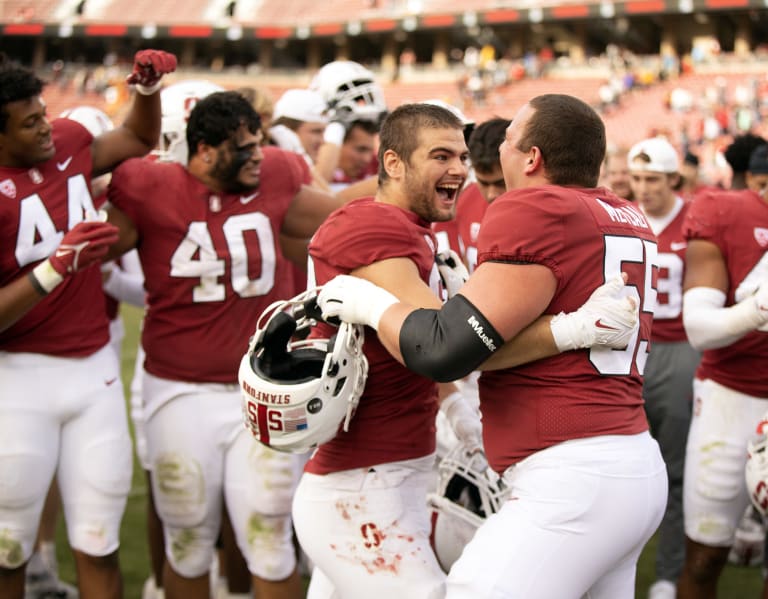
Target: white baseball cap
302, 105
663, 156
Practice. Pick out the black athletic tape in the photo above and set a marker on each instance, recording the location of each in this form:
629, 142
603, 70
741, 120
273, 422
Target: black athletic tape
447, 344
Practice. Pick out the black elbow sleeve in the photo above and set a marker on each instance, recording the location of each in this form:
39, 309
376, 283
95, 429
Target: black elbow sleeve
447, 344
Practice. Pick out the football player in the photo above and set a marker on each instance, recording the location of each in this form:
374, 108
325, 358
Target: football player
359, 510
62, 410
725, 311
667, 387
549, 426
208, 239
355, 107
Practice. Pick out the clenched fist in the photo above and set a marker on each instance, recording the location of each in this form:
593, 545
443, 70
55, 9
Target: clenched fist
149, 66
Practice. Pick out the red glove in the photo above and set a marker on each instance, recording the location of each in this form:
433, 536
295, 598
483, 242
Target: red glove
149, 66
83, 245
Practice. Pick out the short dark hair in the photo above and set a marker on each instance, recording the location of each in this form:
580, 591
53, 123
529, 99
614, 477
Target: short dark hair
758, 160
571, 137
484, 144
217, 116
400, 130
286, 121
737, 154
16, 83
370, 127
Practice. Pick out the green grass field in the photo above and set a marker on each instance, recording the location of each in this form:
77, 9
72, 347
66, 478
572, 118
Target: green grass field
736, 583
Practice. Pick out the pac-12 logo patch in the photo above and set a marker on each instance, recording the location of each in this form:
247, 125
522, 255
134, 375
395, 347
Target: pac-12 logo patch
761, 236
8, 188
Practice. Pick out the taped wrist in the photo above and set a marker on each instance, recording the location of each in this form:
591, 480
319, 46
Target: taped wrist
710, 325
148, 90
447, 344
334, 133
44, 277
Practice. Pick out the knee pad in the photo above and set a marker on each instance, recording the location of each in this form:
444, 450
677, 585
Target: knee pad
110, 465
179, 490
188, 552
271, 553
719, 467
21, 495
19, 487
278, 476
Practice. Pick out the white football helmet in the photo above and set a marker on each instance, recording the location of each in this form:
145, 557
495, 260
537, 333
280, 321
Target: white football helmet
298, 394
92, 118
756, 470
468, 491
176, 102
351, 92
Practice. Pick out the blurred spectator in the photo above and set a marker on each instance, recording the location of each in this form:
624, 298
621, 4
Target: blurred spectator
689, 182
616, 172
261, 100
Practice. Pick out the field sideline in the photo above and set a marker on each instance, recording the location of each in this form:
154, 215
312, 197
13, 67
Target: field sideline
736, 583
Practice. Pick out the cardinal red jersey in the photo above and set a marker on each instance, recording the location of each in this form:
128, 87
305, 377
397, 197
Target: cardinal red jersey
447, 236
212, 262
395, 419
38, 206
737, 222
470, 211
668, 316
584, 236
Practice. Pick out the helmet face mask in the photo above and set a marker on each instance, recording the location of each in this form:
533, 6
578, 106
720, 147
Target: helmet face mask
177, 101
350, 91
467, 493
756, 469
298, 393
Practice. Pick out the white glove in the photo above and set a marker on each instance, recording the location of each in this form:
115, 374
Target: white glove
453, 273
354, 300
464, 420
606, 318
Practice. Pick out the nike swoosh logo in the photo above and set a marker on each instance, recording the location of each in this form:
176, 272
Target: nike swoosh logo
678, 246
62, 166
61, 253
246, 199
599, 324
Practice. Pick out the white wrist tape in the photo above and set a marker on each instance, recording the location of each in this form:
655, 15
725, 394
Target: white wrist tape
148, 90
46, 276
710, 325
334, 133
378, 302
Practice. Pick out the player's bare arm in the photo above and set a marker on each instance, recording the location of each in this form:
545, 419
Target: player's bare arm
704, 266
128, 235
